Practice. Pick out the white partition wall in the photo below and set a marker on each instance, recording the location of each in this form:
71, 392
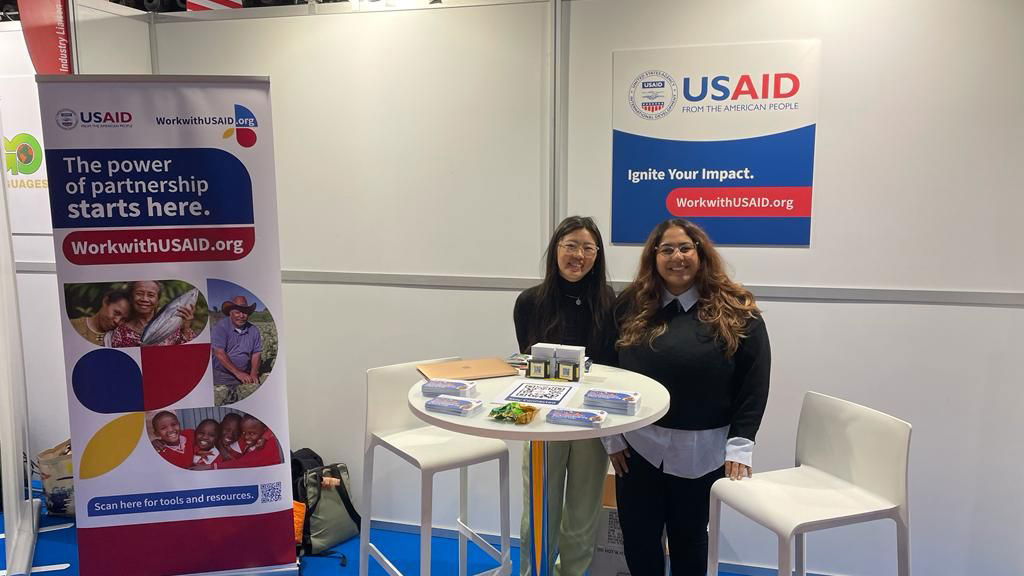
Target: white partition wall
19, 509
340, 330
411, 141
916, 202
111, 39
12, 46
916, 137
414, 204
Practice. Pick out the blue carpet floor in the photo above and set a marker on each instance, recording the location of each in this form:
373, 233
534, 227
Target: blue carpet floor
56, 550
403, 550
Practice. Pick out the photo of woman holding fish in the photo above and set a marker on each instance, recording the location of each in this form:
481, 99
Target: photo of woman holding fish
159, 313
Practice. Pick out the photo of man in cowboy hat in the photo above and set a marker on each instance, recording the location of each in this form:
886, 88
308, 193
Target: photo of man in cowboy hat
237, 346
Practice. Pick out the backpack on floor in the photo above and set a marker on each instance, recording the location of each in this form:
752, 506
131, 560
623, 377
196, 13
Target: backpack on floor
55, 470
330, 517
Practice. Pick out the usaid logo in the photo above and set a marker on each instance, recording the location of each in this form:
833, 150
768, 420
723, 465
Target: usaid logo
106, 118
778, 86
653, 94
67, 119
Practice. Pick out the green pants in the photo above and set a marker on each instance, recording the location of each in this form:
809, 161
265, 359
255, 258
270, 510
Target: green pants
576, 471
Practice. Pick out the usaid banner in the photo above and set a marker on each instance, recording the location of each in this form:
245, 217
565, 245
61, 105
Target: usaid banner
719, 135
163, 204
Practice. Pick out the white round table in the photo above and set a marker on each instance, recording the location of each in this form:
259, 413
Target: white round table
654, 402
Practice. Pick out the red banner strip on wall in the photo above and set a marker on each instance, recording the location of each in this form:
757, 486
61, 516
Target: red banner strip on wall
44, 23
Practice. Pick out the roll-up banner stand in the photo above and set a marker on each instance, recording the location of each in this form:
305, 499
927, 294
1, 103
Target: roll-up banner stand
162, 198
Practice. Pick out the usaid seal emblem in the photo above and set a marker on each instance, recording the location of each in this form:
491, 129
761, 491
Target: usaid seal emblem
67, 119
653, 94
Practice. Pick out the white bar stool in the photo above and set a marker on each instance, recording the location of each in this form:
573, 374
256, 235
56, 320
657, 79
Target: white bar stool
391, 425
851, 467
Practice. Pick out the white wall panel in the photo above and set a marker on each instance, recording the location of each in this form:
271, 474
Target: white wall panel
44, 366
12, 45
338, 332
917, 143
32, 248
406, 141
111, 39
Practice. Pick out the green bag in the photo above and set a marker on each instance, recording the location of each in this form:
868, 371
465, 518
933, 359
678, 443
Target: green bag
330, 516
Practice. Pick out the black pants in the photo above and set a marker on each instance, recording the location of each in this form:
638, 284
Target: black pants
651, 501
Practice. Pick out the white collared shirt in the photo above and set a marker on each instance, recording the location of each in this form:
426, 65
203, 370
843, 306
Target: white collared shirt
207, 459
683, 453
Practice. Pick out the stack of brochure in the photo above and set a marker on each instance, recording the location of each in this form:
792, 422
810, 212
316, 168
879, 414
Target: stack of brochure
454, 405
617, 401
439, 386
589, 418
518, 360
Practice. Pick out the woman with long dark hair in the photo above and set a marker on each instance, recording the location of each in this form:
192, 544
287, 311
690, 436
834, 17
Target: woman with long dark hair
684, 323
573, 305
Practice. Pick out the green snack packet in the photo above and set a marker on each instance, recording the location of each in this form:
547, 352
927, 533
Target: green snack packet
514, 412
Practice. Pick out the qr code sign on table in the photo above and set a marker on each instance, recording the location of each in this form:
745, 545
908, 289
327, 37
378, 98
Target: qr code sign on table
539, 393
270, 492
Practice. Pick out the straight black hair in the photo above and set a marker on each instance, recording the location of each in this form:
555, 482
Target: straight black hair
594, 288
115, 296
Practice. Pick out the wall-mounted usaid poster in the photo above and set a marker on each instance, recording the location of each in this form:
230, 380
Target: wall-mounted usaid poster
162, 197
720, 135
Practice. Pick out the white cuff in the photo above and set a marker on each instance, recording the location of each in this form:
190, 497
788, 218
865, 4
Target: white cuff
738, 450
614, 443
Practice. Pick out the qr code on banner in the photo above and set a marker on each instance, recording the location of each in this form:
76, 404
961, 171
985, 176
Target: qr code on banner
270, 492
535, 393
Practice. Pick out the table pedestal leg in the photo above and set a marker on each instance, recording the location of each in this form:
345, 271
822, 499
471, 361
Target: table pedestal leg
538, 508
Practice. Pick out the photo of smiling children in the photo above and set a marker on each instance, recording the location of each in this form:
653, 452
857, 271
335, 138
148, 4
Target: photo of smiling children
169, 440
212, 438
258, 446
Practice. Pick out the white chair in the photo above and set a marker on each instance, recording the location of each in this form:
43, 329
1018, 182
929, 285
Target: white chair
851, 467
390, 424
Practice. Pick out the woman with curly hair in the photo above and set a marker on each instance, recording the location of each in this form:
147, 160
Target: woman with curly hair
684, 323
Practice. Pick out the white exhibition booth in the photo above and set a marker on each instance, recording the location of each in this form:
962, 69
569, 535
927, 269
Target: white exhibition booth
418, 184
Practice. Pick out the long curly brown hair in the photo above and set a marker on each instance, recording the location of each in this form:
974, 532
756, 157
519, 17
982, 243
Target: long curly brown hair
724, 305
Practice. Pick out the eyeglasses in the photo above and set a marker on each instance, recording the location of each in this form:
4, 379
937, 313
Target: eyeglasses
667, 250
589, 250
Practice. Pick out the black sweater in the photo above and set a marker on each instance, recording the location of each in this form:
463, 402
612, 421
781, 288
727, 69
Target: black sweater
575, 325
708, 390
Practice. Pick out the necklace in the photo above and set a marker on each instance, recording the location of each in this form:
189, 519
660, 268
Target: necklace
91, 329
579, 301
